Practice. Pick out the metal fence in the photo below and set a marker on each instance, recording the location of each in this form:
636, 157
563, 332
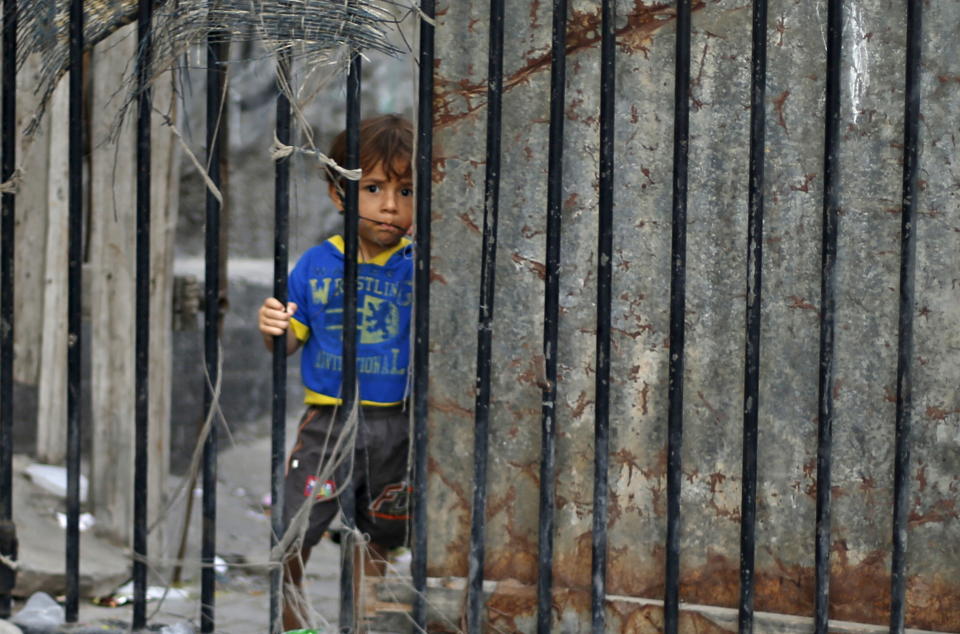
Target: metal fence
547, 610
604, 272
215, 77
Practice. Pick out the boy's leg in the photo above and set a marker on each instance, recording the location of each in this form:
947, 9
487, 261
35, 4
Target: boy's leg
374, 560
369, 562
294, 601
379, 475
306, 478
383, 501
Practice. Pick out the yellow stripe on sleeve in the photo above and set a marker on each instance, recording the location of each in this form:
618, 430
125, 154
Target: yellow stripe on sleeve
301, 331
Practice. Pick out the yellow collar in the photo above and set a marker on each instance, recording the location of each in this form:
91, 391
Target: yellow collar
381, 259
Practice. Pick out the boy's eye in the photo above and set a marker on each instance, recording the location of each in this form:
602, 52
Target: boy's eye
373, 189
406, 191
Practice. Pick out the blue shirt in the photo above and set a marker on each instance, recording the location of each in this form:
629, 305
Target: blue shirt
384, 313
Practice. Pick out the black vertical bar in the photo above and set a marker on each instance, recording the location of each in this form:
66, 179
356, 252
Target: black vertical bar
74, 343
7, 169
349, 389
828, 258
678, 270
421, 353
216, 69
908, 254
551, 317
751, 372
280, 263
604, 302
491, 192
7, 224
142, 342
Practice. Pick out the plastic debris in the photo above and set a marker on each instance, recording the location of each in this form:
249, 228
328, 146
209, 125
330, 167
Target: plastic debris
124, 595
110, 601
6, 627
177, 628
41, 612
54, 479
85, 521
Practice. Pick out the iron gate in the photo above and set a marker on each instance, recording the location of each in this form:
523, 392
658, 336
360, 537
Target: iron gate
547, 377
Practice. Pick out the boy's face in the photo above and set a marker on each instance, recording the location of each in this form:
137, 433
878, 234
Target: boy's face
386, 209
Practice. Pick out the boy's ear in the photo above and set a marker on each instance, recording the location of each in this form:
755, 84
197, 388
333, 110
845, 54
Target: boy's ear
335, 196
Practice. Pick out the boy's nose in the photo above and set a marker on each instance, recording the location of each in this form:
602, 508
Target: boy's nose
390, 200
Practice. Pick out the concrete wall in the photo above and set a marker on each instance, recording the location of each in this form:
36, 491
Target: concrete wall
867, 287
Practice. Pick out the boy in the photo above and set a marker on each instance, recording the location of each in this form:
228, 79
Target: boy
313, 319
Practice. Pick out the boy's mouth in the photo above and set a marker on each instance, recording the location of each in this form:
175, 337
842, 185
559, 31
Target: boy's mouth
389, 226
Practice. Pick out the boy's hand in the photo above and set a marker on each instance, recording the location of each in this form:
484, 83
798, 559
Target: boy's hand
273, 320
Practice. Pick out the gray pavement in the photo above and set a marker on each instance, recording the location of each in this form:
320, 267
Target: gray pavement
242, 594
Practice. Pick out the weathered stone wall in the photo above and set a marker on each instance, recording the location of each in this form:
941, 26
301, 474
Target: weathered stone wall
867, 287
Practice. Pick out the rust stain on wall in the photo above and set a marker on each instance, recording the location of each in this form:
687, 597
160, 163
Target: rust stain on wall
538, 268
648, 619
448, 406
583, 32
437, 277
581, 405
641, 619
514, 558
624, 458
778, 105
571, 566
633, 573
939, 413
470, 224
509, 602
940, 511
801, 303
535, 372
512, 607
805, 186
439, 171
455, 563
858, 592
718, 415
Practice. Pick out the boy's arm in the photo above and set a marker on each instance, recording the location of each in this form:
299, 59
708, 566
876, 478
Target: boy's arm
273, 319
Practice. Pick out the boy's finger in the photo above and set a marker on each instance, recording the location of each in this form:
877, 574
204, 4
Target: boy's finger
282, 324
291, 307
273, 302
279, 321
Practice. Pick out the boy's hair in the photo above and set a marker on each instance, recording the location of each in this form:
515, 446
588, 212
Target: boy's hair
385, 140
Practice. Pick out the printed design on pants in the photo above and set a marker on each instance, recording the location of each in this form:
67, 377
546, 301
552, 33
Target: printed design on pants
393, 502
325, 490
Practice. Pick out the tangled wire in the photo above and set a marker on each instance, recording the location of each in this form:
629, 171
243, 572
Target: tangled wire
314, 31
